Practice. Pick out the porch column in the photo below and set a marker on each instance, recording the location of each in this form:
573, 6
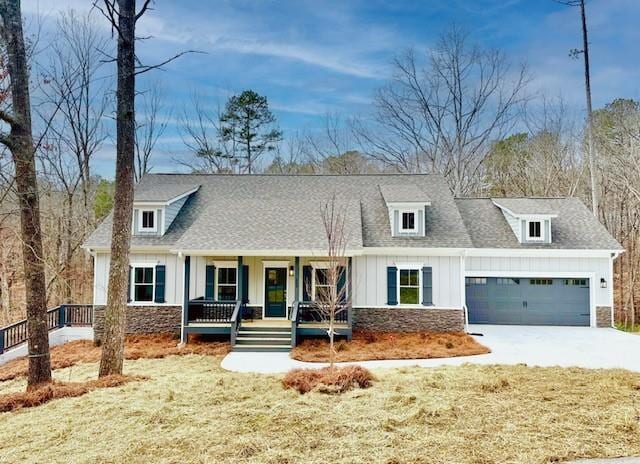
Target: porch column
296, 276
240, 279
185, 299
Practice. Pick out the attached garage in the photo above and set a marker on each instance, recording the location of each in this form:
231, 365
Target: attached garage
528, 300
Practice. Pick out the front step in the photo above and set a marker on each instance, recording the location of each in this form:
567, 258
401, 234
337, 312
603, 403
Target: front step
263, 339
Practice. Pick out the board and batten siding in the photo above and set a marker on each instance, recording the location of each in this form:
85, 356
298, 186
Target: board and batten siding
173, 276
370, 279
601, 267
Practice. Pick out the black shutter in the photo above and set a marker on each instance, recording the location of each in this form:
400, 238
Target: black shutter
306, 282
392, 285
341, 287
129, 286
245, 284
427, 286
209, 282
160, 278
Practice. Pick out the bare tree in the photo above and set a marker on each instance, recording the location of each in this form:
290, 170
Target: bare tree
19, 140
200, 131
122, 17
78, 89
149, 128
333, 298
587, 87
443, 117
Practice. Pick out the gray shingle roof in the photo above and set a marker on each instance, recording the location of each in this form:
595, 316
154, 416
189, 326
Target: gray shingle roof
574, 228
525, 206
150, 190
404, 193
269, 212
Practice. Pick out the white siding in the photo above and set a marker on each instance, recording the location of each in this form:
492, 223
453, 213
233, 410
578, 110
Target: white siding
370, 279
173, 278
514, 223
171, 211
601, 267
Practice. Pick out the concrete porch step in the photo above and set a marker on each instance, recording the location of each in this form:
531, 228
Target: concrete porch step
262, 348
264, 333
263, 341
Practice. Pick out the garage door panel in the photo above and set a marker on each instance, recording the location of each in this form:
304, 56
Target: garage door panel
528, 301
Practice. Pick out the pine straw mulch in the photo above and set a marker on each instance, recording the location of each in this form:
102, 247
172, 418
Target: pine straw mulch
39, 395
368, 346
152, 346
332, 380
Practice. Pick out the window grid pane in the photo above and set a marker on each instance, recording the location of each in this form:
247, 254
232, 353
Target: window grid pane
408, 221
147, 219
409, 286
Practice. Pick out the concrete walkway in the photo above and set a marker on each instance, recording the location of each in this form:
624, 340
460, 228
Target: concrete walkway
535, 346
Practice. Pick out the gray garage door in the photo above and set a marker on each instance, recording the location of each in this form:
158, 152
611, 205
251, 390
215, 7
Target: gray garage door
527, 301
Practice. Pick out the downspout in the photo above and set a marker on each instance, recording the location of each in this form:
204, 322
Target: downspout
463, 294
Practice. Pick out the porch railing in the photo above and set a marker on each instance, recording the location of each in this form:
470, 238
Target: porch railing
61, 316
311, 312
202, 310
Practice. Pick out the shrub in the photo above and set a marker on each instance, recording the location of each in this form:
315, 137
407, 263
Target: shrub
331, 380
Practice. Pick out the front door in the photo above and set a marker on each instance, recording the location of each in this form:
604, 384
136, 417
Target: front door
275, 292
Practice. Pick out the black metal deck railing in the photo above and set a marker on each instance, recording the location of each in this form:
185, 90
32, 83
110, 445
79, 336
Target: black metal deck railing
71, 315
202, 310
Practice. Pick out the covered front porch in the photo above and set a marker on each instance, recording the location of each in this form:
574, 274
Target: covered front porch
262, 303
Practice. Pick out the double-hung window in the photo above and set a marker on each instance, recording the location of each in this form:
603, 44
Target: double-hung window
408, 221
227, 283
409, 286
322, 285
534, 230
143, 284
147, 220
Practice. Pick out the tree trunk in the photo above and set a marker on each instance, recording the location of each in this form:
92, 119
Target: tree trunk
113, 348
20, 142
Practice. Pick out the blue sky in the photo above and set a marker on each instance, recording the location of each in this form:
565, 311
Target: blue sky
311, 58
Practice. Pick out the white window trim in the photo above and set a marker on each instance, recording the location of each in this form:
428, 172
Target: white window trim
220, 265
324, 265
155, 220
542, 232
415, 220
133, 284
409, 267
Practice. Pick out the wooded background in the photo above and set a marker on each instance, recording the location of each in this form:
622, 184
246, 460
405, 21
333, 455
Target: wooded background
459, 109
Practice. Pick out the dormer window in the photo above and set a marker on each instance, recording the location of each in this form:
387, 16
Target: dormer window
534, 230
148, 222
408, 223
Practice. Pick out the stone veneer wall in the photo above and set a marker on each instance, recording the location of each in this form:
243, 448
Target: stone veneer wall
142, 319
603, 316
397, 319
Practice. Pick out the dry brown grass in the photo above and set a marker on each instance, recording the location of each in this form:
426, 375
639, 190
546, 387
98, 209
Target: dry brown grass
191, 411
153, 346
331, 380
366, 346
55, 390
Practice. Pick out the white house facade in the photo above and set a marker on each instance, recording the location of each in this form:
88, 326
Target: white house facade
211, 251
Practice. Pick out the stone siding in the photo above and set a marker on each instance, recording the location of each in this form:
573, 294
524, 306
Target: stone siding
396, 319
142, 319
603, 316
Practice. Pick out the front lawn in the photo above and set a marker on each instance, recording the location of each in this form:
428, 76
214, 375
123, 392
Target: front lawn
366, 346
189, 410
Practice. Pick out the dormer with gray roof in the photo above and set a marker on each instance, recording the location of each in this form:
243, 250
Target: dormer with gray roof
529, 218
407, 205
155, 206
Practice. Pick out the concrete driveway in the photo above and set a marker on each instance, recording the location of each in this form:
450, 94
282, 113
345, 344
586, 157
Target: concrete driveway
532, 345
